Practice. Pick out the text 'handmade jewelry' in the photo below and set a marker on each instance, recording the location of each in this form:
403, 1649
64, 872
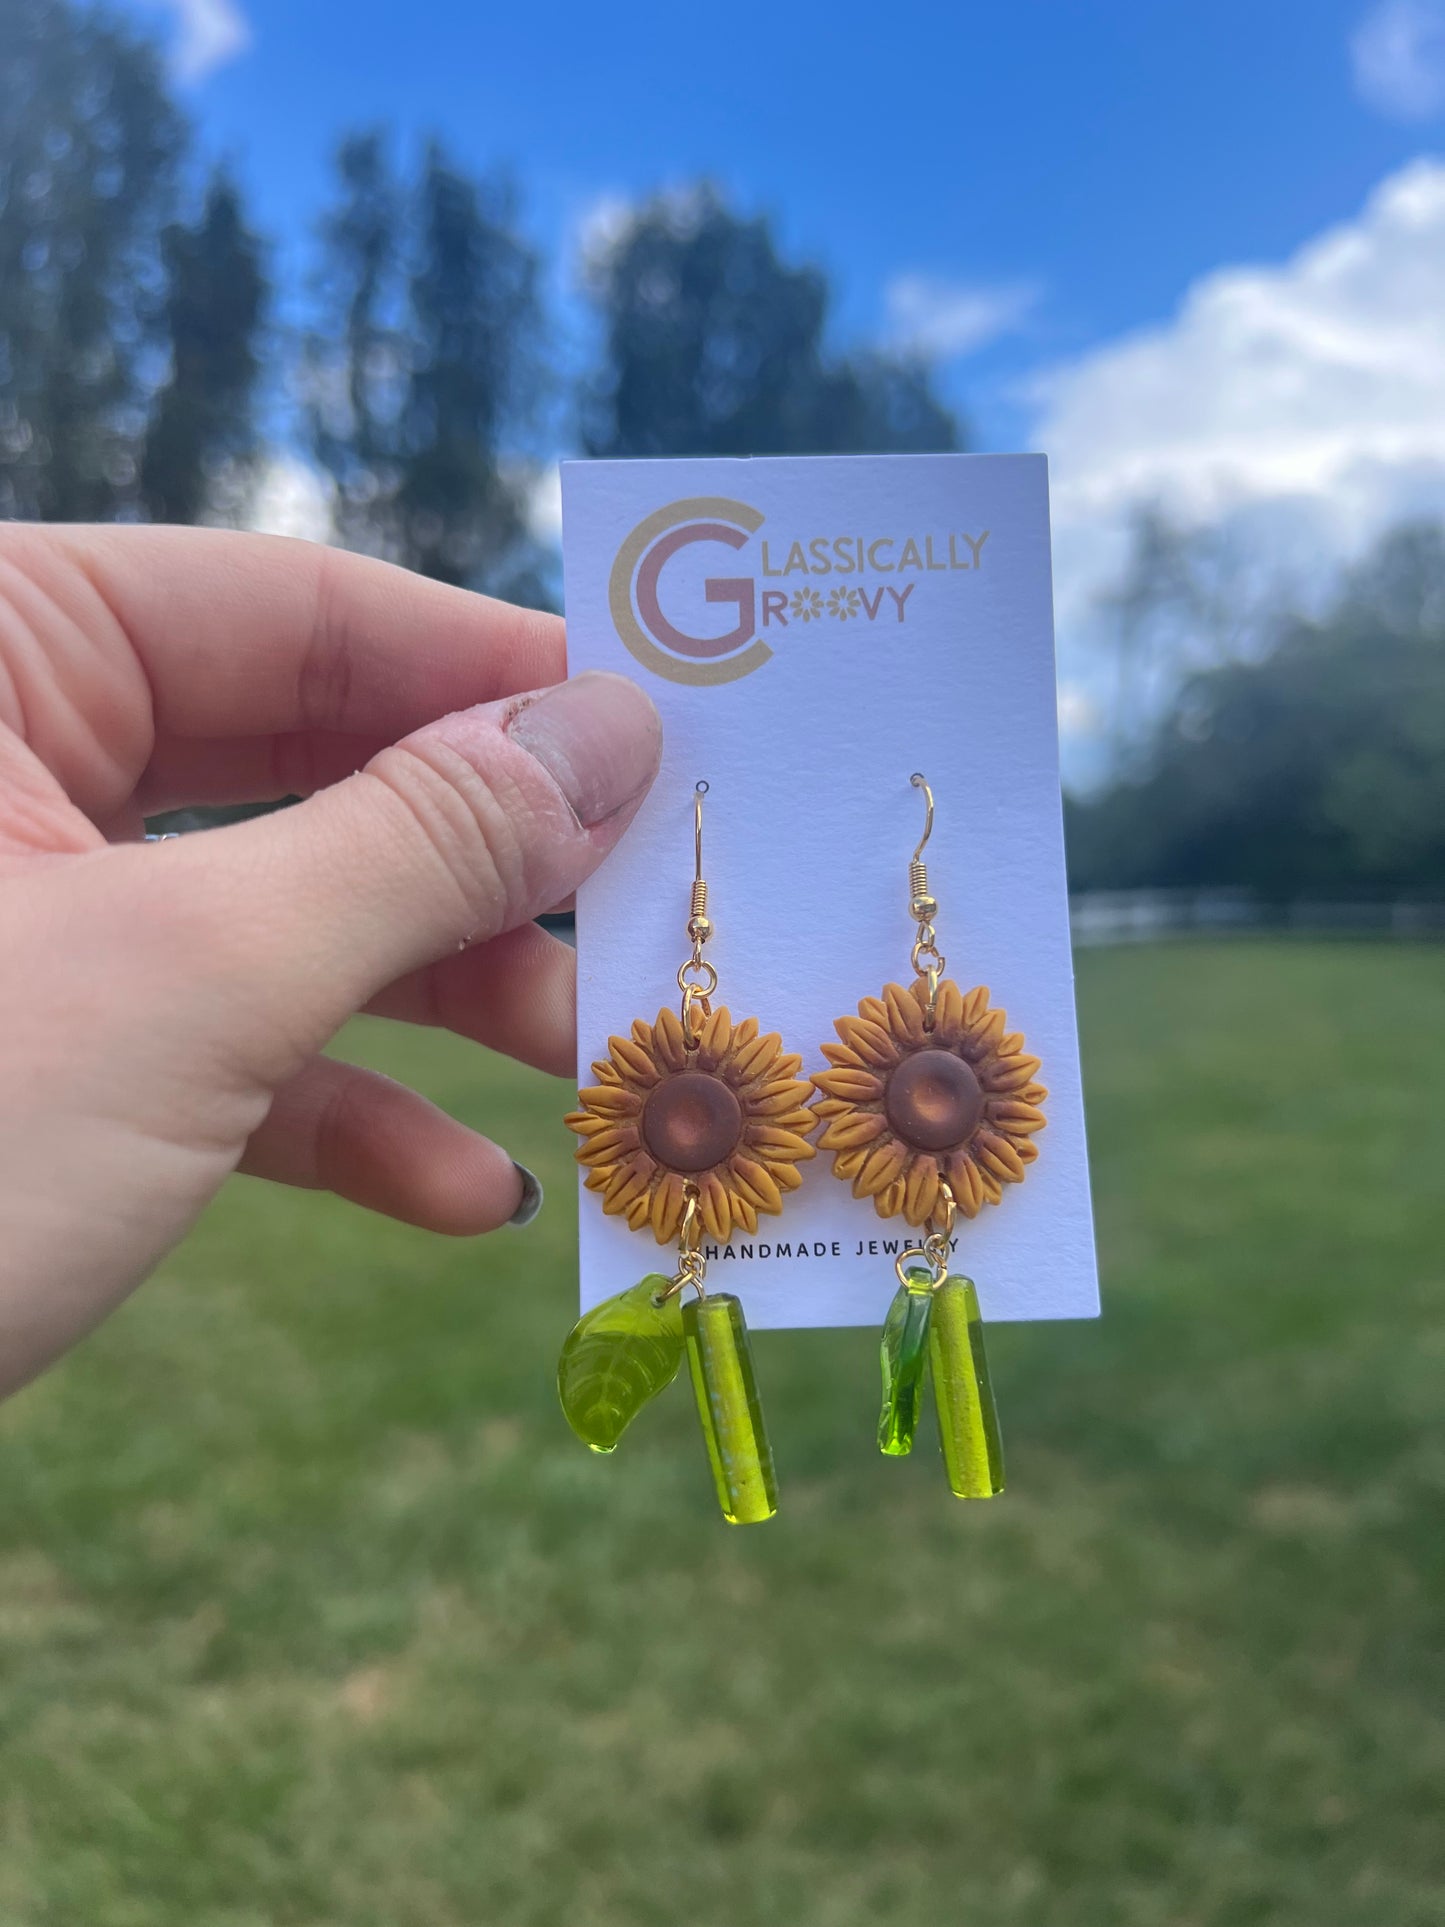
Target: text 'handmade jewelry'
694, 1126
931, 1108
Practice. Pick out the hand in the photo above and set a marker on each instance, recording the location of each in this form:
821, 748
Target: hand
162, 1005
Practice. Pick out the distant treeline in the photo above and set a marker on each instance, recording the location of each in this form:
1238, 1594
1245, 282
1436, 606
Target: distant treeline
1311, 763
143, 369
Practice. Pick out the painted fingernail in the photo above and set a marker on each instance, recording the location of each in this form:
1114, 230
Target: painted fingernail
598, 737
531, 1196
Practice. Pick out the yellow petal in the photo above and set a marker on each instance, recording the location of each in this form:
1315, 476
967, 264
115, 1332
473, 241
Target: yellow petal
611, 1098
668, 1040
983, 1036
905, 1014
754, 1058
880, 1167
845, 1133
756, 1183
832, 1107
713, 1207
778, 1099
1008, 1073
634, 1061
667, 1208
920, 1192
779, 1145
607, 1147
965, 1184
889, 1203
996, 1154
862, 1086
842, 1056
715, 1040
870, 1041
948, 1012
627, 1184
848, 1164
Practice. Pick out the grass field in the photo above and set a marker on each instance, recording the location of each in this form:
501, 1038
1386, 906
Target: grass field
312, 1612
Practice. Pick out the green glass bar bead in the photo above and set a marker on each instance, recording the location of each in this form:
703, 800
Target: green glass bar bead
967, 1421
720, 1359
904, 1355
616, 1358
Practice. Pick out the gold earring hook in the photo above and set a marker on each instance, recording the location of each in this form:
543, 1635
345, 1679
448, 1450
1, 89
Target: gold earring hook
696, 978
920, 782
923, 908
699, 791
699, 887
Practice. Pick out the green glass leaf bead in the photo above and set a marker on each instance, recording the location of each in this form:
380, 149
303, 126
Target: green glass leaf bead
967, 1420
720, 1359
616, 1357
904, 1354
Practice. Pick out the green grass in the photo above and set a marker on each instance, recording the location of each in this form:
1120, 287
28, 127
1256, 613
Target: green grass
312, 1612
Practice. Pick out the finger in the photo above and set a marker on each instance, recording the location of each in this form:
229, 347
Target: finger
250, 635
187, 771
336, 1127
516, 994
467, 829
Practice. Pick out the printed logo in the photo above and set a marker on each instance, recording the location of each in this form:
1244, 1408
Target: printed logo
633, 593
886, 568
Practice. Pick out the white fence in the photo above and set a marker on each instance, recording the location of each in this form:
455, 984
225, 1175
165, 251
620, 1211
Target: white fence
1151, 916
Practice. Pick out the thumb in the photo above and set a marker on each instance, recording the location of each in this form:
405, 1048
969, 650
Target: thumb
470, 826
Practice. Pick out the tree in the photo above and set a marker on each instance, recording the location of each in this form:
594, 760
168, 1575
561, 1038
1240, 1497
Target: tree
426, 384
1320, 766
215, 300
89, 145
713, 345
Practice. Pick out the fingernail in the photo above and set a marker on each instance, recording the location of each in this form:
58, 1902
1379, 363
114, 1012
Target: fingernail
598, 737
531, 1196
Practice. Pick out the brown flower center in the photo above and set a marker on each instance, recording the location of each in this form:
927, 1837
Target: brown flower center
933, 1100
692, 1121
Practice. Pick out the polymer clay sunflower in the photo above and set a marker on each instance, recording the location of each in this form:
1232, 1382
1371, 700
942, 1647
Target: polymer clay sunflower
905, 1106
728, 1114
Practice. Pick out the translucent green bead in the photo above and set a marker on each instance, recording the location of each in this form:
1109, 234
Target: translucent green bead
616, 1357
720, 1359
904, 1355
967, 1420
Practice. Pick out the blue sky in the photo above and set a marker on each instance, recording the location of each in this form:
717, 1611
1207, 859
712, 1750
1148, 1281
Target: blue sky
1196, 252
1081, 163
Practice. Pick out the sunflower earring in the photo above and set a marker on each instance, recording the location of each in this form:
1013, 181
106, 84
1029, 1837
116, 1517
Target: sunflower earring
931, 1109
694, 1126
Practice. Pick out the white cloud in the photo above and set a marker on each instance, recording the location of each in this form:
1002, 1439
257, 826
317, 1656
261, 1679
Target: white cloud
1398, 55
943, 319
208, 34
290, 497
544, 505
1305, 401
598, 226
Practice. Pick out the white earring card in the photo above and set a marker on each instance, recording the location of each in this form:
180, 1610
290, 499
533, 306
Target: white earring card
813, 631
